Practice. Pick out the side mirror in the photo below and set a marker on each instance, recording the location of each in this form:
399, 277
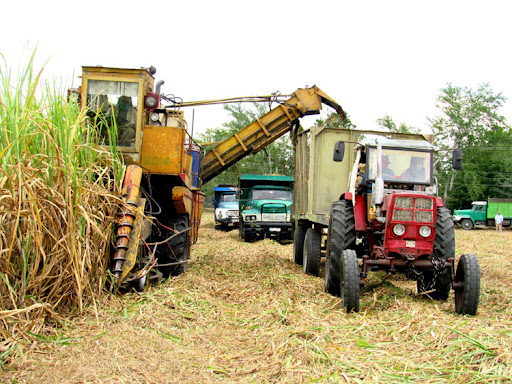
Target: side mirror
339, 151
457, 159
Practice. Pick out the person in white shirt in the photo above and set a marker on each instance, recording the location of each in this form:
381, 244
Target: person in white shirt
499, 222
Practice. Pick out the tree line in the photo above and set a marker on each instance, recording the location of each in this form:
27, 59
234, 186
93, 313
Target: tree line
468, 119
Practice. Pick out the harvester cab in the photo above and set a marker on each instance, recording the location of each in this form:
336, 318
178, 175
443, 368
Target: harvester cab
399, 222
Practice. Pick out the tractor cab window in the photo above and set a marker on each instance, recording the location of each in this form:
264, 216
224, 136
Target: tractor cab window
401, 166
112, 105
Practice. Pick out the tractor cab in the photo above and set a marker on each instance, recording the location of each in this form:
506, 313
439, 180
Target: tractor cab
400, 164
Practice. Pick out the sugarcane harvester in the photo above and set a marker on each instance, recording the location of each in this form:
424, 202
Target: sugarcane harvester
162, 200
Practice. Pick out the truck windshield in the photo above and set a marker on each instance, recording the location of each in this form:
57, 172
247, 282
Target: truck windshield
401, 165
113, 104
272, 194
228, 198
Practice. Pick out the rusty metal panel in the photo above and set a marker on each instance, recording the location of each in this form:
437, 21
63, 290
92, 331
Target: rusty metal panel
300, 190
163, 150
328, 179
319, 180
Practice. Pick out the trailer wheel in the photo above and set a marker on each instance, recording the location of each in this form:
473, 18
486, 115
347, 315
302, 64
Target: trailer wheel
467, 285
298, 244
349, 280
341, 236
467, 224
312, 251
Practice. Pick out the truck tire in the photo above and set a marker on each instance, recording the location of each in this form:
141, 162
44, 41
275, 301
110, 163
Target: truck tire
467, 287
467, 224
298, 244
312, 251
444, 249
341, 236
349, 280
175, 250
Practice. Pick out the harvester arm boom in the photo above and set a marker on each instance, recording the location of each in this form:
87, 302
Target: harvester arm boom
265, 130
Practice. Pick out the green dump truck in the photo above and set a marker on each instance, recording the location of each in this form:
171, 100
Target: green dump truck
265, 204
482, 213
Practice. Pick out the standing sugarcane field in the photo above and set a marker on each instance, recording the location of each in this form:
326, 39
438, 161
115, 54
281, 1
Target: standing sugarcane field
113, 269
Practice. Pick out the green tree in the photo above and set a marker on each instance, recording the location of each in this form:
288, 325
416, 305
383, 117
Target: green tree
333, 120
387, 123
471, 121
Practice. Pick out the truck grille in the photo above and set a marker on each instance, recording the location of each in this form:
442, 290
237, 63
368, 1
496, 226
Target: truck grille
273, 217
417, 209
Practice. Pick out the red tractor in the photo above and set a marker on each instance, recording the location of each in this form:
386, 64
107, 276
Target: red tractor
389, 218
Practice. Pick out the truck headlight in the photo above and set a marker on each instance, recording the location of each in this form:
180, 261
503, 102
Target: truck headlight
220, 213
399, 229
425, 231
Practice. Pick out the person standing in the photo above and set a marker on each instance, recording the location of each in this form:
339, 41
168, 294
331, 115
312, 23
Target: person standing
499, 222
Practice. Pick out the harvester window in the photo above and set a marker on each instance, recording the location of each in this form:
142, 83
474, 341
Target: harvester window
113, 106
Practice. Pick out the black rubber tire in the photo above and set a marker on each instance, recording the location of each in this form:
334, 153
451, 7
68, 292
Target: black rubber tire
218, 227
467, 296
341, 236
442, 286
349, 280
298, 244
467, 224
177, 249
312, 251
444, 248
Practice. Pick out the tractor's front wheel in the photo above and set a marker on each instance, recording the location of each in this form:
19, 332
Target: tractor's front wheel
440, 287
467, 285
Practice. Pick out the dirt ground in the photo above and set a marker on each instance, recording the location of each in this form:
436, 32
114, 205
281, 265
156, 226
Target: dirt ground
246, 313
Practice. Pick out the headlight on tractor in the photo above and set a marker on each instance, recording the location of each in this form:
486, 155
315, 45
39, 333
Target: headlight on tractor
399, 229
425, 231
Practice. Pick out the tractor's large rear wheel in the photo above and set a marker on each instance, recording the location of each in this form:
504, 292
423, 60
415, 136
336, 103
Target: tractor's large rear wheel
341, 236
467, 285
444, 249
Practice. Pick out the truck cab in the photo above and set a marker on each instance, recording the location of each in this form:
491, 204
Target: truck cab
468, 218
265, 205
226, 206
